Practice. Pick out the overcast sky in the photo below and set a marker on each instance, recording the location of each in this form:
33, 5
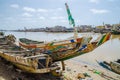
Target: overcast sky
17, 14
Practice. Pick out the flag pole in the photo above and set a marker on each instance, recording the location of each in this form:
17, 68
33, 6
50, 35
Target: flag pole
75, 32
71, 21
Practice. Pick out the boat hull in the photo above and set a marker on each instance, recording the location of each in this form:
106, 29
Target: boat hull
115, 67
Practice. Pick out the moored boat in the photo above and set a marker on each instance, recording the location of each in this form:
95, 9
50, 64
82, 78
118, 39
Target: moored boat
27, 61
29, 44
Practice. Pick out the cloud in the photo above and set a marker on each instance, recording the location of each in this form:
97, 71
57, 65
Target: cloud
98, 1
64, 21
94, 1
42, 10
96, 11
57, 18
27, 15
59, 9
42, 18
29, 9
49, 10
14, 6
78, 21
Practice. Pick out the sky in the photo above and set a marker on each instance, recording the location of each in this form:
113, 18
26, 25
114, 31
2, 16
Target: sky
18, 14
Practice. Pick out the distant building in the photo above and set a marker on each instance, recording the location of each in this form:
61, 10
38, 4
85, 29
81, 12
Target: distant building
56, 29
84, 28
108, 26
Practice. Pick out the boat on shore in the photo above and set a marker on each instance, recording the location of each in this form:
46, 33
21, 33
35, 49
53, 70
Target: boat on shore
25, 60
115, 66
60, 51
112, 65
79, 49
29, 44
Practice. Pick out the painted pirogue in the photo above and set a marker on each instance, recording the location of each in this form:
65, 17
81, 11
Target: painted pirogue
79, 49
66, 49
27, 61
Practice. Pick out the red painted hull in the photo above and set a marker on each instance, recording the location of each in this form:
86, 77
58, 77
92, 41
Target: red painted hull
27, 45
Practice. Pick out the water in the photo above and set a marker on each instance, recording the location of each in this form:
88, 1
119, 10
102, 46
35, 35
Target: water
109, 51
46, 36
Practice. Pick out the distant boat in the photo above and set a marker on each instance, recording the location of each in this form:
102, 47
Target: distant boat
115, 32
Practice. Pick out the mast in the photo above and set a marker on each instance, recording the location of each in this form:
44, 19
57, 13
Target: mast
71, 21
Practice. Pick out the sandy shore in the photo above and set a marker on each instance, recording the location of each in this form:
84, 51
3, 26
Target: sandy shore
74, 68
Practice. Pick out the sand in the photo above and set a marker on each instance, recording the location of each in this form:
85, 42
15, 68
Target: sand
74, 68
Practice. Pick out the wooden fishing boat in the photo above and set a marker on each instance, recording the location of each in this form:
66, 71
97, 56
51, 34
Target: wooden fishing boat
114, 66
7, 39
79, 49
27, 43
27, 61
70, 48
31, 44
